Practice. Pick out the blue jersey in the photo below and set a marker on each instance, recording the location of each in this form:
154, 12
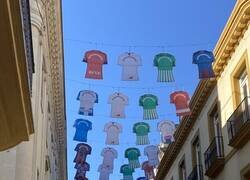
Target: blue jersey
82, 128
204, 60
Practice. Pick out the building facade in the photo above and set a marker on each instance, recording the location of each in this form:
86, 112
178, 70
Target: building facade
213, 143
33, 138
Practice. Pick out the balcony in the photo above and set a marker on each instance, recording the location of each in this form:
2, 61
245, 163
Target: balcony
214, 157
196, 174
238, 125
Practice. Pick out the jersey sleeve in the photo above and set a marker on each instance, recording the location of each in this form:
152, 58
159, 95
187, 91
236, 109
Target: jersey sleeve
172, 97
173, 62
141, 101
77, 147
89, 149
187, 96
155, 61
96, 97
77, 121
156, 100
103, 152
78, 96
89, 125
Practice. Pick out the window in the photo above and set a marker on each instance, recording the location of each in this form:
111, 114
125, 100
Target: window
182, 170
243, 85
196, 156
240, 83
47, 163
37, 174
48, 107
214, 123
196, 149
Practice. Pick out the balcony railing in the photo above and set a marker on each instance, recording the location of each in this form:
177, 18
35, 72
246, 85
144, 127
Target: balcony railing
196, 174
214, 157
238, 125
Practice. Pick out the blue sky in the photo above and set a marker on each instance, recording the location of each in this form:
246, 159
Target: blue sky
182, 27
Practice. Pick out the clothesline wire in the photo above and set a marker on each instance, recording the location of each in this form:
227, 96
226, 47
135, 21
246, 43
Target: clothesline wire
154, 142
128, 117
129, 46
172, 85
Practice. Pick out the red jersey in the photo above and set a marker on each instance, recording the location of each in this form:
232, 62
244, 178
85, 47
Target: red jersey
94, 59
181, 101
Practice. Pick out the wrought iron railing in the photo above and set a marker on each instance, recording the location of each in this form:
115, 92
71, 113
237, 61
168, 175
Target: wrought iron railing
196, 174
214, 152
238, 119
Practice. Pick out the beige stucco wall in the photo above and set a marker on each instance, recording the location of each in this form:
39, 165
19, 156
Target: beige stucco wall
238, 159
27, 160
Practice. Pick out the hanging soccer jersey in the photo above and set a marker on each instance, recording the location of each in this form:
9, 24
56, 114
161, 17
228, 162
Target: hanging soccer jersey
81, 170
82, 127
129, 62
149, 170
109, 155
165, 63
95, 59
104, 171
204, 60
133, 157
112, 129
127, 172
87, 100
149, 103
167, 129
181, 100
118, 102
152, 152
82, 151
141, 130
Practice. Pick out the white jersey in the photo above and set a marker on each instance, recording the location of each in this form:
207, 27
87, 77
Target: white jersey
87, 100
129, 63
109, 155
167, 129
104, 171
152, 153
118, 102
113, 130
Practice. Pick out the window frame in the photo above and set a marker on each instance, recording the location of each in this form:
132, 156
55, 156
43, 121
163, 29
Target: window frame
240, 67
180, 172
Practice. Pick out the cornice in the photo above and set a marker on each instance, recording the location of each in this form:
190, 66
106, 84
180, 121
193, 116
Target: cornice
229, 40
233, 32
54, 26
